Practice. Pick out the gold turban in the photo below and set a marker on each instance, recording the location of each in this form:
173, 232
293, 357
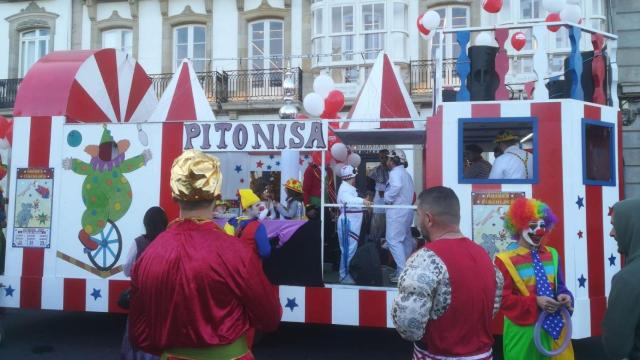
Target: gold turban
195, 176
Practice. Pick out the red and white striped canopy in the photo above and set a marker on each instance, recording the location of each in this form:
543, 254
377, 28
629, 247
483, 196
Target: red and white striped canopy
87, 86
383, 96
184, 98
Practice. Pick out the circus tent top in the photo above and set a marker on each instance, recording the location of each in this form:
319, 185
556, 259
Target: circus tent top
383, 96
184, 98
87, 86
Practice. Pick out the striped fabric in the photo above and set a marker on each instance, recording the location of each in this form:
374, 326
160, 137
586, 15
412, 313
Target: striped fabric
521, 259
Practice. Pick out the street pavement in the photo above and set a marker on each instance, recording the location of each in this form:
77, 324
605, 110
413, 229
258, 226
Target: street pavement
58, 335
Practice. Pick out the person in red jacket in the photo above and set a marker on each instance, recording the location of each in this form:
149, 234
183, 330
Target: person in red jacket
449, 290
251, 230
196, 291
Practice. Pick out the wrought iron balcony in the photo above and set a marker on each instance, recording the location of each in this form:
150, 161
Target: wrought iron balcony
8, 91
422, 79
239, 85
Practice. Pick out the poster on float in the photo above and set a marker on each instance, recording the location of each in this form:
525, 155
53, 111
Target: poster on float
487, 216
32, 221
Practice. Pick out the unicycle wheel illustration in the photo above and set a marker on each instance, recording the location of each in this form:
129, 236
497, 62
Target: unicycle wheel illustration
109, 242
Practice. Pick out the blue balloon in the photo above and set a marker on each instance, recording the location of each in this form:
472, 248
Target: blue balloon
74, 138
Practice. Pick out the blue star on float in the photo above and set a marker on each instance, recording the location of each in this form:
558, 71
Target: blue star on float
8, 291
306, 156
96, 294
291, 304
580, 202
582, 281
612, 260
277, 163
237, 169
268, 167
271, 156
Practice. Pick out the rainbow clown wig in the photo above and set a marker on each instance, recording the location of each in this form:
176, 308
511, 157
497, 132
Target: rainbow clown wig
522, 211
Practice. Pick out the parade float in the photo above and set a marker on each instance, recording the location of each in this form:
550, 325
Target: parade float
96, 148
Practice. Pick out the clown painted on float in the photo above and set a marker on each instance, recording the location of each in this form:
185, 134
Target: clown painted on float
533, 284
106, 192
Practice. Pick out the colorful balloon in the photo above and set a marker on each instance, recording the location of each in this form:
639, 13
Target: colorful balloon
553, 17
431, 20
423, 30
354, 160
339, 152
518, 40
322, 85
484, 39
334, 102
571, 13
492, 6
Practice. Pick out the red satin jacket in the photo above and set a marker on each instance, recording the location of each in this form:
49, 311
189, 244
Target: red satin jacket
196, 286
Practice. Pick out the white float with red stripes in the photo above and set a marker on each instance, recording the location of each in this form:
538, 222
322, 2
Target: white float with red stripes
81, 92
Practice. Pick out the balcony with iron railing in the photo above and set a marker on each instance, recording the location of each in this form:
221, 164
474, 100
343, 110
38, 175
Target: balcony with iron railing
236, 86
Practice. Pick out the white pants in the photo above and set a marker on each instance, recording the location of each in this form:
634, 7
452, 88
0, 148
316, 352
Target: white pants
348, 246
401, 243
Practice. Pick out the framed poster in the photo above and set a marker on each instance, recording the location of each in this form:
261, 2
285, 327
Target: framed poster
487, 216
32, 215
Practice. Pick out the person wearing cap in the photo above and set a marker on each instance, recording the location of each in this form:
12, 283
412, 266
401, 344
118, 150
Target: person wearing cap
399, 191
514, 163
349, 221
196, 291
251, 230
293, 209
478, 168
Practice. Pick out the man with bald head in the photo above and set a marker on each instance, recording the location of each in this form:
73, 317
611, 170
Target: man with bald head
425, 311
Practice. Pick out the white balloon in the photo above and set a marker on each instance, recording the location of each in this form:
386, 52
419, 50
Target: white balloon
431, 20
339, 152
322, 85
313, 104
337, 168
354, 160
483, 39
571, 13
553, 6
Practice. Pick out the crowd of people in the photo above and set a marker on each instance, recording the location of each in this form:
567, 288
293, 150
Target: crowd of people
511, 161
200, 293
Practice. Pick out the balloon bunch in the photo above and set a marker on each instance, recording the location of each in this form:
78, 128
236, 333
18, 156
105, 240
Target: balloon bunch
343, 155
428, 22
325, 101
6, 133
562, 10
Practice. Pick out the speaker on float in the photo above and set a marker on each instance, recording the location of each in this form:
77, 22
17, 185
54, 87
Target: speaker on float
483, 79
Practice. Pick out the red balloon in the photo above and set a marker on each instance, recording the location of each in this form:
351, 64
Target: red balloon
334, 102
518, 40
10, 135
553, 17
492, 6
421, 27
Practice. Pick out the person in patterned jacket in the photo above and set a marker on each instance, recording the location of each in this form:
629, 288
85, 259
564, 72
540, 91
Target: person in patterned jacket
449, 291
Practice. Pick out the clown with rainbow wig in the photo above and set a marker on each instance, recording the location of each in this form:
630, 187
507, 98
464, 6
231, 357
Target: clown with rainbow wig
533, 284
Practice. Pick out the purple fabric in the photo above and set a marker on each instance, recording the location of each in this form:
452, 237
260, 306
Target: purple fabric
101, 165
283, 229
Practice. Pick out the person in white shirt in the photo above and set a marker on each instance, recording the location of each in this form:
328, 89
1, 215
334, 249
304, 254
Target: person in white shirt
399, 191
349, 221
380, 177
514, 163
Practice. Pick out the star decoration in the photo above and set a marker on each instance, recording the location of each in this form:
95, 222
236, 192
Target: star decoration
42, 218
306, 156
271, 156
612, 260
580, 202
8, 291
259, 164
277, 163
581, 281
580, 233
268, 167
610, 213
291, 304
96, 294
238, 168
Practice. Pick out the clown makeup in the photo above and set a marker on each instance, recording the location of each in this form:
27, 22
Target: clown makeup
535, 232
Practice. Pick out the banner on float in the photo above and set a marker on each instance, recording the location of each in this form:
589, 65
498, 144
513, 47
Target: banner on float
487, 216
256, 136
33, 203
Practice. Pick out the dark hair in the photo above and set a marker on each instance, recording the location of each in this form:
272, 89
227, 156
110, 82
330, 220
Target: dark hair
294, 194
383, 151
442, 202
155, 221
473, 148
194, 205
